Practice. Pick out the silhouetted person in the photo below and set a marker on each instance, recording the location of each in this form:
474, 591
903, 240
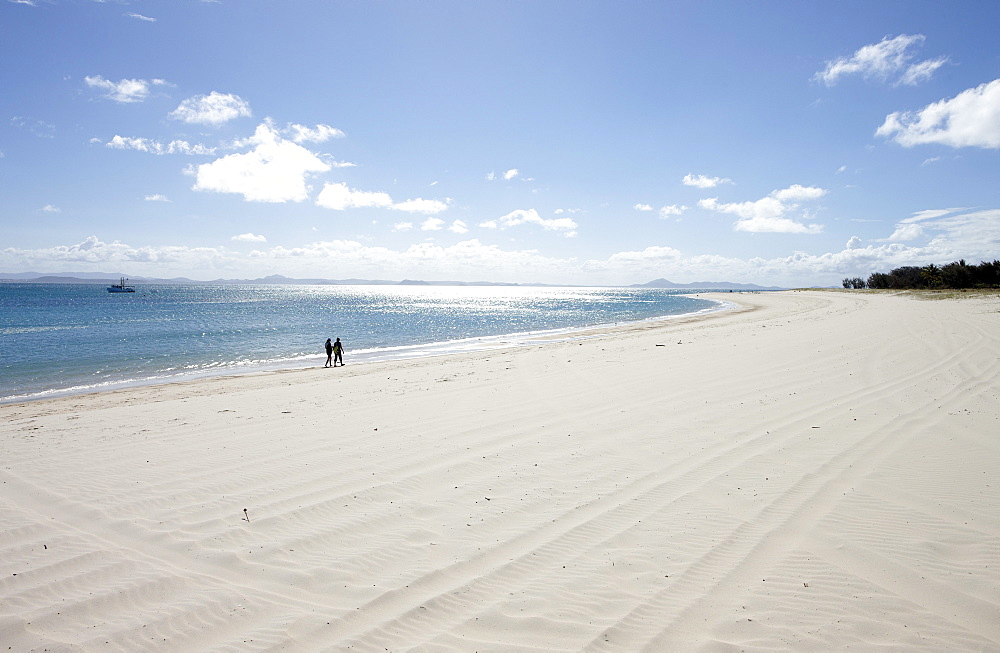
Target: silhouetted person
329, 353
338, 353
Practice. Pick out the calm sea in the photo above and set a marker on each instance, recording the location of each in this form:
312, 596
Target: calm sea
60, 339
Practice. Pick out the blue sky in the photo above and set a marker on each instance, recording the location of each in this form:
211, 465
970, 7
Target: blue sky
578, 142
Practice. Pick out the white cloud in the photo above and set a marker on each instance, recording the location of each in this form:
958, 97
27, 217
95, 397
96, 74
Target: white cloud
921, 72
432, 224
506, 176
930, 214
905, 232
768, 214
39, 128
886, 59
142, 18
212, 109
970, 119
339, 197
671, 210
125, 91
150, 146
974, 236
759, 225
249, 238
458, 227
49, 208
530, 216
642, 207
648, 255
317, 134
702, 181
799, 192
420, 205
402, 226
909, 229
274, 171
156, 198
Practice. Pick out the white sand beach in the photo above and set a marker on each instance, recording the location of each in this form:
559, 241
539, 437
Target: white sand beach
812, 470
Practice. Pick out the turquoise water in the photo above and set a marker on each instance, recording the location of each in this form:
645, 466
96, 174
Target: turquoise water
72, 338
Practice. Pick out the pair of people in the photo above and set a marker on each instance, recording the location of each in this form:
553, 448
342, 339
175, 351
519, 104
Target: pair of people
334, 353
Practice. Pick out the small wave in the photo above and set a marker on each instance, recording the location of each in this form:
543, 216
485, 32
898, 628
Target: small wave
12, 331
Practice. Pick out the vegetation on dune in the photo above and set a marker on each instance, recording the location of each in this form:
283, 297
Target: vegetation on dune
957, 275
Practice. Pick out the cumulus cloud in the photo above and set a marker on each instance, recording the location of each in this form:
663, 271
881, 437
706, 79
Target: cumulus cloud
506, 176
249, 238
909, 229
151, 146
212, 109
769, 214
275, 170
433, 224
156, 198
340, 197
643, 207
972, 235
657, 254
970, 119
317, 134
703, 181
530, 216
888, 59
671, 210
49, 208
905, 232
420, 205
125, 91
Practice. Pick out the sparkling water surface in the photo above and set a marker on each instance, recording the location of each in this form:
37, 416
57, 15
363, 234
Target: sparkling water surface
71, 338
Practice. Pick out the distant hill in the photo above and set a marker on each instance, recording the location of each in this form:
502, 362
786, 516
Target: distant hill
703, 285
102, 277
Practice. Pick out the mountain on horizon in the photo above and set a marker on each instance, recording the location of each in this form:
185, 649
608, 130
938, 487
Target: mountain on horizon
703, 285
103, 277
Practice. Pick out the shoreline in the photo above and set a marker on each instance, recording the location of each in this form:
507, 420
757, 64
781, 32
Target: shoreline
380, 355
811, 470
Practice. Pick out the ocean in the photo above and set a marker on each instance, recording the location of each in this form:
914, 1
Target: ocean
60, 339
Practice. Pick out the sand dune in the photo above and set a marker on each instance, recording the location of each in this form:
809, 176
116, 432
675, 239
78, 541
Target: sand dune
811, 470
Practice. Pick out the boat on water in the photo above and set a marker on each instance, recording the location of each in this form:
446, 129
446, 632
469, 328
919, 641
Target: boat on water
121, 286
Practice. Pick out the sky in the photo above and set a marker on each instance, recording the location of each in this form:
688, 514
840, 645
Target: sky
785, 143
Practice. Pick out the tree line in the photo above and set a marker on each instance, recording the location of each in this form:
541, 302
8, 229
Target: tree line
953, 275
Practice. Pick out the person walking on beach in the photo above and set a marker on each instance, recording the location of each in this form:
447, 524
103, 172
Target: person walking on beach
338, 353
329, 353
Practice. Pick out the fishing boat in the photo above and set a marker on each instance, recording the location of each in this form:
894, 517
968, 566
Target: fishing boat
121, 287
